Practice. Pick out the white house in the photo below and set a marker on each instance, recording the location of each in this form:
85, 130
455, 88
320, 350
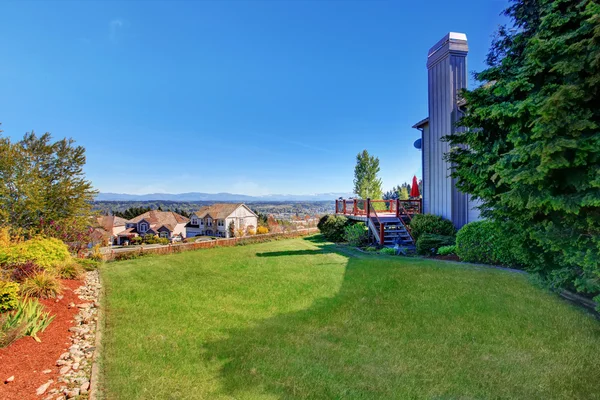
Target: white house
165, 224
214, 220
447, 75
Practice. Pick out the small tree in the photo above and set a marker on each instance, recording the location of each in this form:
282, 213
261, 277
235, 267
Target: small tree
231, 229
366, 182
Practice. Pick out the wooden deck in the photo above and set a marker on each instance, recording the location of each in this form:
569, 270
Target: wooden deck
387, 220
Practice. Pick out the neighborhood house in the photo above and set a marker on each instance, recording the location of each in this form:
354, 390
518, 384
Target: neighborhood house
215, 220
165, 224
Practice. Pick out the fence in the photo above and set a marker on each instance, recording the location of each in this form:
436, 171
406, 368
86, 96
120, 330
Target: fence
135, 252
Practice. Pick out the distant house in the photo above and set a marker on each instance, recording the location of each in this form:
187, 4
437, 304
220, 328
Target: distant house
109, 227
165, 224
214, 220
447, 75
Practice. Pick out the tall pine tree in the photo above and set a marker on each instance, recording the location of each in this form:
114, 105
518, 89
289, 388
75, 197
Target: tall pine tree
366, 182
531, 150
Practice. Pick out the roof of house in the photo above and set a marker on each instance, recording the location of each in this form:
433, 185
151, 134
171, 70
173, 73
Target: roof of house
220, 210
421, 123
108, 222
159, 218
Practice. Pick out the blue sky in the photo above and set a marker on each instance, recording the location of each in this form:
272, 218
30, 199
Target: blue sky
232, 96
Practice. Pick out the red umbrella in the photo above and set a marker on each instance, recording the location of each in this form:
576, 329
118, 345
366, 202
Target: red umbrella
414, 188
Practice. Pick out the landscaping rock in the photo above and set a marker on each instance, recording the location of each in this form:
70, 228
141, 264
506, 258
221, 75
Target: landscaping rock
76, 364
42, 389
46, 371
9, 379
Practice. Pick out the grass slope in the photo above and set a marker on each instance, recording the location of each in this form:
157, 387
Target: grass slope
302, 319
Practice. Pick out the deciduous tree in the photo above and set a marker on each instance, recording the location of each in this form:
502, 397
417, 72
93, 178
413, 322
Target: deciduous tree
366, 182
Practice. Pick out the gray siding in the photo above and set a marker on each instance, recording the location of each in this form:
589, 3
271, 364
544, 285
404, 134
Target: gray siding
425, 145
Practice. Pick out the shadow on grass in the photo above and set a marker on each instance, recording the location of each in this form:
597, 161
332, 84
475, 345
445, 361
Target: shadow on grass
291, 253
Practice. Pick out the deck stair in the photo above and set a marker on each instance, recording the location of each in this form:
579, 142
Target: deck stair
394, 232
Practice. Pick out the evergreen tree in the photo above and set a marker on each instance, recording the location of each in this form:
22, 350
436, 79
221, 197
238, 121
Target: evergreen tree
531, 150
366, 182
43, 181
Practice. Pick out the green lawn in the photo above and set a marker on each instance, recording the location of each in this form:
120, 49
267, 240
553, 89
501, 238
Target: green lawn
302, 318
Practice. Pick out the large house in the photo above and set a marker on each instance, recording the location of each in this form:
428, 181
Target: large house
109, 227
215, 220
165, 224
447, 75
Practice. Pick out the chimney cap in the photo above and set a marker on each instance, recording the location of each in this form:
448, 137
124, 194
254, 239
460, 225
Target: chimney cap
454, 40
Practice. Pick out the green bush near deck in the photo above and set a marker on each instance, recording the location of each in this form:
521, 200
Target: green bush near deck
429, 223
428, 243
333, 227
447, 250
489, 242
356, 234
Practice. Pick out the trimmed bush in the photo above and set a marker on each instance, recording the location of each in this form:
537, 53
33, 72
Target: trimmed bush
43, 285
9, 295
429, 223
490, 242
447, 250
387, 251
356, 234
333, 227
261, 230
428, 243
48, 253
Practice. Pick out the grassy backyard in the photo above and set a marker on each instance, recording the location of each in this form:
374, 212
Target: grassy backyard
302, 318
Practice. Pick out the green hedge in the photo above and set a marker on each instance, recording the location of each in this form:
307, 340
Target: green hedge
488, 242
428, 243
333, 227
356, 234
429, 223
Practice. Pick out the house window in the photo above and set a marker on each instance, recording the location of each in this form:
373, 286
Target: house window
194, 221
221, 222
164, 234
143, 227
208, 222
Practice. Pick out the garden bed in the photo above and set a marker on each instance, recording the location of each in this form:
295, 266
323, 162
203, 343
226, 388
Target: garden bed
29, 361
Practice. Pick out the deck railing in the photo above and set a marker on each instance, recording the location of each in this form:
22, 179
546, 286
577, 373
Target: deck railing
361, 207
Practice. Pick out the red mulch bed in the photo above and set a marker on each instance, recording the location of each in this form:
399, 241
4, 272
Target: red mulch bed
26, 358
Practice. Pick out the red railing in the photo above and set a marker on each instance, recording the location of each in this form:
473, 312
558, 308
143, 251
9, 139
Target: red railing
397, 208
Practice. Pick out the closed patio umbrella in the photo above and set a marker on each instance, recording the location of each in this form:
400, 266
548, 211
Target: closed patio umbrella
414, 188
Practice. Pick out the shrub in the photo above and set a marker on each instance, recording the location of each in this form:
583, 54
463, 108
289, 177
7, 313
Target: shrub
491, 242
428, 243
370, 249
20, 272
88, 264
162, 241
9, 295
333, 227
28, 319
96, 254
447, 250
261, 230
150, 239
429, 223
43, 285
70, 271
251, 232
387, 251
45, 252
136, 240
356, 234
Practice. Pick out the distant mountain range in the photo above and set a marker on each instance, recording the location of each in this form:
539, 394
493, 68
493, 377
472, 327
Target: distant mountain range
195, 196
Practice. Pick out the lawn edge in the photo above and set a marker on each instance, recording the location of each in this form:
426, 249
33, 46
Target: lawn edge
95, 391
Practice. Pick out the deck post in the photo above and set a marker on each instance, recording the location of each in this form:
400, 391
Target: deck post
381, 234
337, 209
368, 208
397, 208
344, 201
354, 208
